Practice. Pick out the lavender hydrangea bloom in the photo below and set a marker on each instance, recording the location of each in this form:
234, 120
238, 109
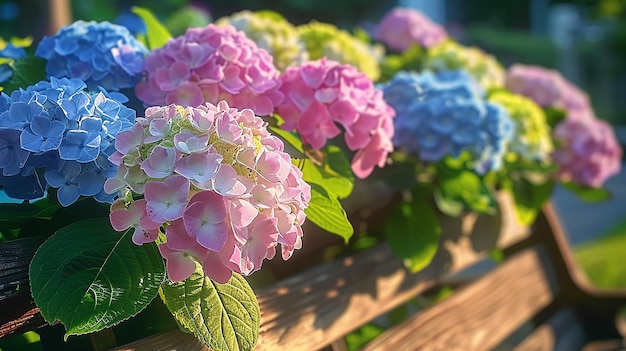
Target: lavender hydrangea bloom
446, 114
59, 134
101, 54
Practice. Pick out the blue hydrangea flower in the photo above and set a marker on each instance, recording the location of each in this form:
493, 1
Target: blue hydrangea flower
59, 134
440, 114
9, 53
100, 54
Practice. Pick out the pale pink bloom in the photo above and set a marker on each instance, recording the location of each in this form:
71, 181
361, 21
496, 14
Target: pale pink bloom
401, 28
211, 64
588, 151
146, 231
166, 200
322, 95
204, 220
218, 188
160, 163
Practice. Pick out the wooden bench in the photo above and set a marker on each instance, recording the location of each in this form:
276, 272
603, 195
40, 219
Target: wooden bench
536, 299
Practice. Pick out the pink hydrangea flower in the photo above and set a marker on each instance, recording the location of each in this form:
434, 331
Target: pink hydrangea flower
208, 65
215, 184
322, 95
589, 152
544, 86
401, 28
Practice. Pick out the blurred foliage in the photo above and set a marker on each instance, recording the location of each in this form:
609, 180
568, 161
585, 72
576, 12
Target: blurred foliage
602, 259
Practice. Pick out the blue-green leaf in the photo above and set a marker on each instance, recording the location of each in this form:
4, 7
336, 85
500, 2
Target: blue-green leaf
586, 193
90, 277
529, 198
326, 211
222, 316
156, 33
413, 232
334, 174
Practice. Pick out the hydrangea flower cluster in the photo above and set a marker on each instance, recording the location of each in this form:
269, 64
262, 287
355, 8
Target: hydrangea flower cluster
58, 134
446, 114
210, 64
548, 88
100, 54
402, 28
450, 55
588, 153
272, 32
532, 140
319, 94
10, 51
544, 86
326, 40
215, 183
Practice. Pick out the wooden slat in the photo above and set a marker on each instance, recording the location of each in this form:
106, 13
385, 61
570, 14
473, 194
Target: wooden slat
171, 340
561, 332
19, 313
479, 316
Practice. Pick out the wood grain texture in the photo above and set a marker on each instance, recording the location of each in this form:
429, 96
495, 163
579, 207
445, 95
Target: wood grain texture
480, 316
562, 332
171, 340
19, 313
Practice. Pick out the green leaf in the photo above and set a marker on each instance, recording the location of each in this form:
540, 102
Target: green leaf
326, 211
467, 187
90, 277
26, 71
529, 198
413, 233
334, 175
222, 316
156, 33
554, 115
586, 193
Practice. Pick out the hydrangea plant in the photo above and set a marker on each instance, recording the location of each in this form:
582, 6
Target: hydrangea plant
58, 134
322, 95
402, 28
215, 182
272, 32
445, 114
211, 64
99, 53
450, 55
326, 40
587, 150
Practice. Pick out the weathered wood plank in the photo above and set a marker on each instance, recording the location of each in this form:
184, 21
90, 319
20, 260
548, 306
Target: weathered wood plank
561, 332
479, 316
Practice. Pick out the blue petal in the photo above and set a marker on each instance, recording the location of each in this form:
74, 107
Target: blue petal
90, 183
68, 194
30, 141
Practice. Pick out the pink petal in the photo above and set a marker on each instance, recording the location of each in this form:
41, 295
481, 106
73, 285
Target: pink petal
226, 183
242, 212
204, 220
160, 163
166, 200
215, 269
187, 94
177, 236
200, 167
179, 266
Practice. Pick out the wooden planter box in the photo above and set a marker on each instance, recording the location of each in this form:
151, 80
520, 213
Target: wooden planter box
536, 300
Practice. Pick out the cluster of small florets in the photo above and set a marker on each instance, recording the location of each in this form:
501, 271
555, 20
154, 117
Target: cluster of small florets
211, 64
446, 114
321, 95
532, 140
326, 40
402, 28
100, 54
449, 55
272, 32
9, 52
58, 134
215, 183
588, 151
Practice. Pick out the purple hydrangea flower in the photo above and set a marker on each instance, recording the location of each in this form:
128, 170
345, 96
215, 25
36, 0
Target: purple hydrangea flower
446, 114
59, 134
100, 54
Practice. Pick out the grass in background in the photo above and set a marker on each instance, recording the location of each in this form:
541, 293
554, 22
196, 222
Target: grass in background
603, 259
